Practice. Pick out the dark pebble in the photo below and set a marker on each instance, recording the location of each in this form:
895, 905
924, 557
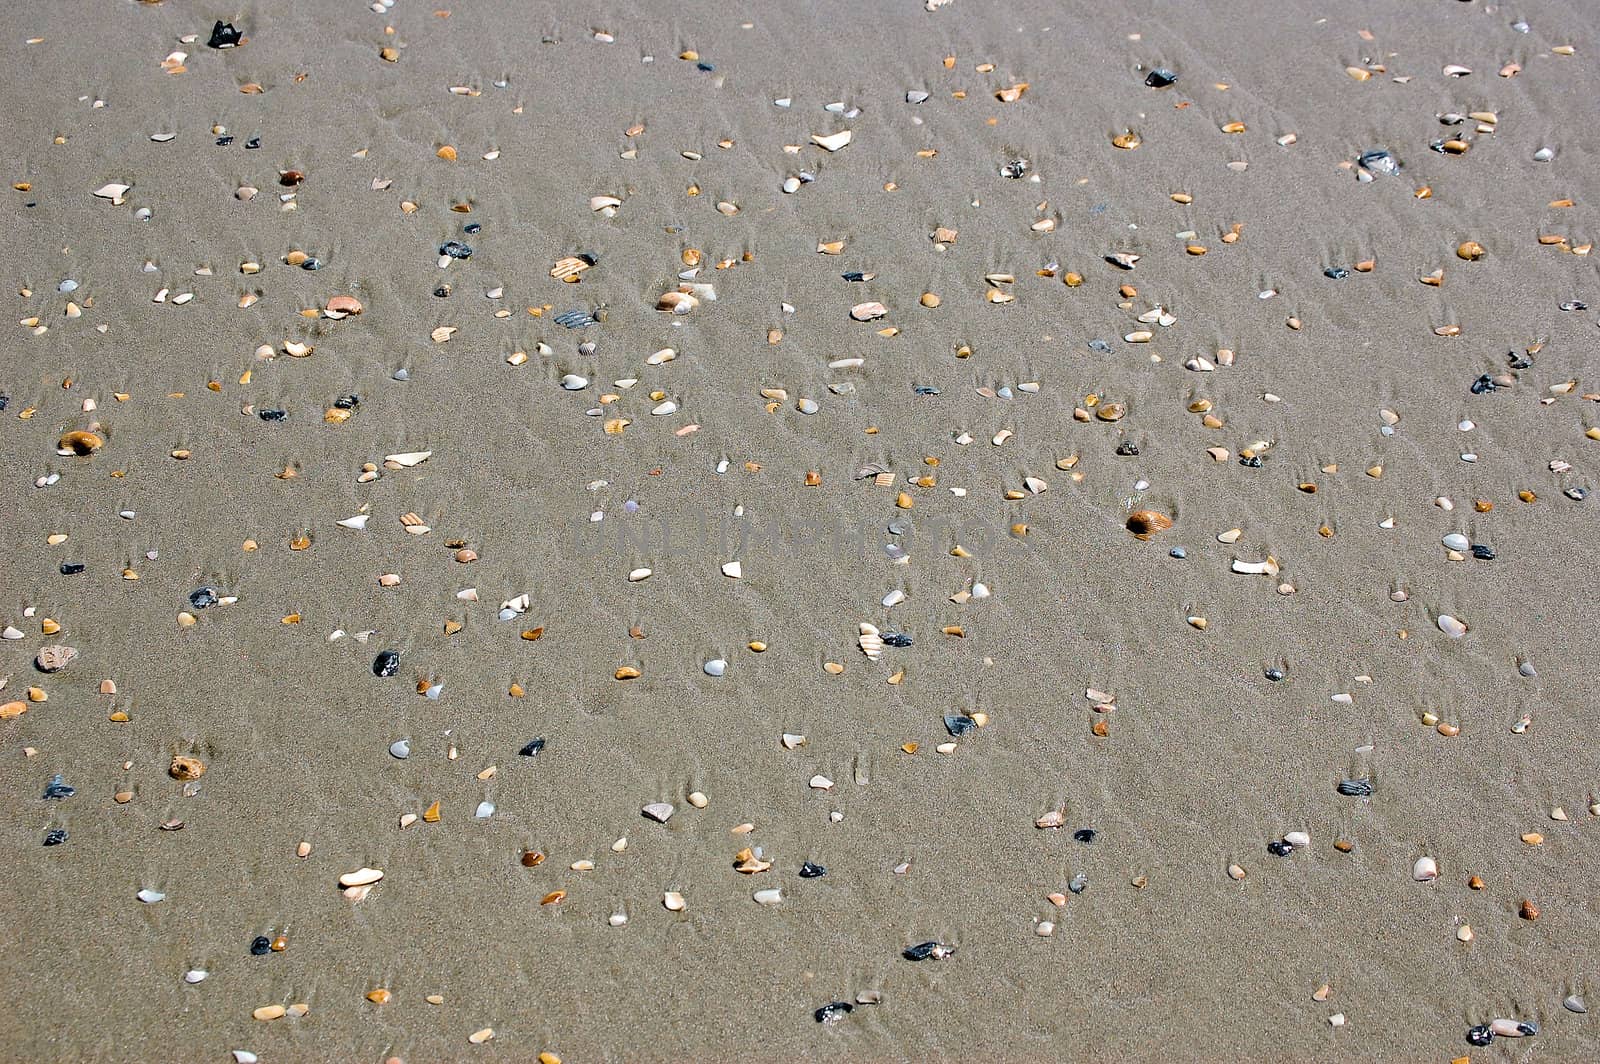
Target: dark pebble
1574, 304
1337, 273
472, 228
704, 68
1356, 788
834, 1011
1015, 169
896, 639
312, 263
347, 402
223, 35
224, 141
71, 568
456, 249
812, 870
443, 291
928, 951
925, 389
959, 724
1576, 494
1252, 461
1483, 552
58, 788
1479, 1035
1085, 835
1160, 78
5, 401
252, 144
55, 836
1484, 383
272, 415
854, 275
1128, 449
201, 597
260, 946
387, 663
1273, 674
1100, 346
1280, 848
532, 748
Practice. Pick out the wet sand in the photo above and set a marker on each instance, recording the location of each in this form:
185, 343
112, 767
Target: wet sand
1205, 760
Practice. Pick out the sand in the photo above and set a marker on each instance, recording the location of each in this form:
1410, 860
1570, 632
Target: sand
1163, 956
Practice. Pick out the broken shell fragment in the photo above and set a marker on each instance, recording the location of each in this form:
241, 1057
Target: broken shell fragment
1146, 523
361, 877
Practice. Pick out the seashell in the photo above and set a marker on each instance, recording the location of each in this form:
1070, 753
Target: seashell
602, 203
54, 658
660, 812
832, 142
871, 641
770, 896
114, 192
1425, 870
406, 459
344, 305
569, 267
80, 443
677, 302
1146, 523
361, 877
868, 311
746, 862
1452, 627
1266, 568
186, 768
673, 901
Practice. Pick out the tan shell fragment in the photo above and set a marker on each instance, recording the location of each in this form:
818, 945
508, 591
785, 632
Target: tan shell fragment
1146, 523
54, 658
677, 302
186, 768
80, 443
569, 268
868, 311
